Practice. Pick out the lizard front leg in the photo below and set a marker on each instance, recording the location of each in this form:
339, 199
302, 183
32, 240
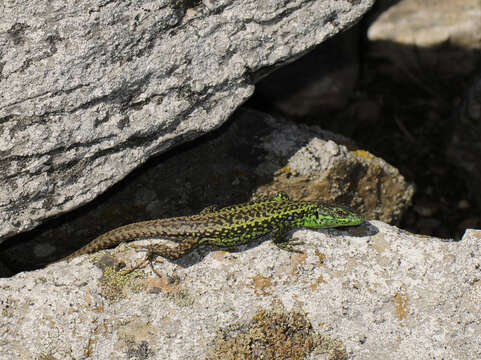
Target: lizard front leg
285, 242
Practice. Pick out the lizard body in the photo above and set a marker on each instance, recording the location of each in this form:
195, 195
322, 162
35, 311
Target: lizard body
229, 226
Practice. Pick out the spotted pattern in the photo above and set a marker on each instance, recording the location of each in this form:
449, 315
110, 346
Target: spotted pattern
229, 226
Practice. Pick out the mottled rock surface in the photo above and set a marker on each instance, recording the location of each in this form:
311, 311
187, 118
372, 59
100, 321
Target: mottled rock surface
429, 23
367, 292
89, 90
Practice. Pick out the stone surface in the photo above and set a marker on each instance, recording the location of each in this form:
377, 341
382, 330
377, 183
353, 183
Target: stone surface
429, 22
442, 37
227, 168
371, 292
91, 89
310, 163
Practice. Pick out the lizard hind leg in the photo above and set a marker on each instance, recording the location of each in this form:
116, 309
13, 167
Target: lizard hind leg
169, 252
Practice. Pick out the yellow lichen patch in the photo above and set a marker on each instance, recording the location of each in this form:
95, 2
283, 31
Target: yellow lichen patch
261, 283
220, 254
320, 280
274, 335
43, 356
296, 260
321, 257
286, 170
116, 284
364, 154
260, 316
401, 302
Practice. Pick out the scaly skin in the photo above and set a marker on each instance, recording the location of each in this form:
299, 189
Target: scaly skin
229, 226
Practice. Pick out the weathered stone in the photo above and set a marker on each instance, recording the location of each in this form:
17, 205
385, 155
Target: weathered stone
440, 37
429, 23
313, 164
89, 90
377, 292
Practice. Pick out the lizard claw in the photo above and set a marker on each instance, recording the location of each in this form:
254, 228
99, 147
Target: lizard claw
148, 259
289, 246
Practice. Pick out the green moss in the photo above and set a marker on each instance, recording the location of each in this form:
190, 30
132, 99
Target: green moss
274, 335
115, 284
181, 298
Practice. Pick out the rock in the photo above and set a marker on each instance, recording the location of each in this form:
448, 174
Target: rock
310, 163
429, 23
90, 90
441, 37
366, 292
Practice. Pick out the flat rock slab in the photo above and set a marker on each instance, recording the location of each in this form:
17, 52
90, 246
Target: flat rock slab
91, 89
367, 292
428, 37
430, 23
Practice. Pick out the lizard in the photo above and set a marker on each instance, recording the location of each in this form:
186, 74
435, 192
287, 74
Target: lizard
226, 227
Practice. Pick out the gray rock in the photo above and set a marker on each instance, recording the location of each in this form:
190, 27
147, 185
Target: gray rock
429, 23
313, 164
430, 36
371, 292
90, 90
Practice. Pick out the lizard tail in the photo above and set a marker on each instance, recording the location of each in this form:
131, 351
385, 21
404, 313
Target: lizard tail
126, 233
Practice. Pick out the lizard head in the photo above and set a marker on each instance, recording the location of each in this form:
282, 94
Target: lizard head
323, 216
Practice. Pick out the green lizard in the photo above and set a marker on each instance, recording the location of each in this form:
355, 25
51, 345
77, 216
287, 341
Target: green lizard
229, 226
